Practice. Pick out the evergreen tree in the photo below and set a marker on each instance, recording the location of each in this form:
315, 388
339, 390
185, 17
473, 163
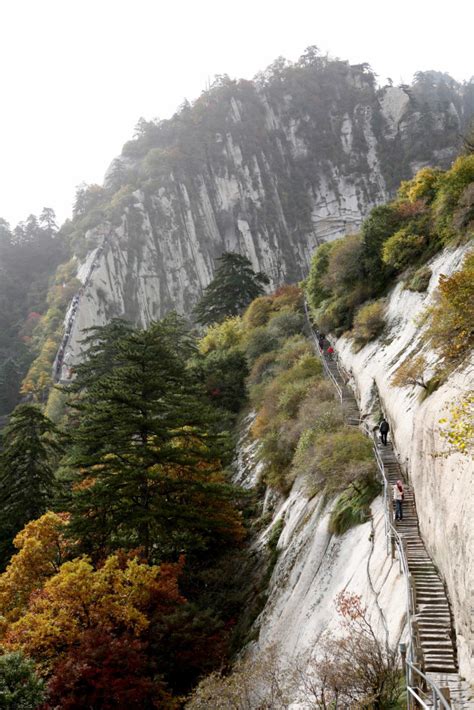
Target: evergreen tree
233, 288
30, 447
20, 687
144, 463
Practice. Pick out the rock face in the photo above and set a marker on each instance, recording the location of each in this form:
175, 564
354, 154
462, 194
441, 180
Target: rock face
314, 566
267, 169
442, 479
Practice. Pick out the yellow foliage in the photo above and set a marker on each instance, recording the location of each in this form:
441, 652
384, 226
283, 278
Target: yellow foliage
78, 598
369, 321
451, 330
422, 186
258, 312
41, 550
459, 431
410, 372
222, 336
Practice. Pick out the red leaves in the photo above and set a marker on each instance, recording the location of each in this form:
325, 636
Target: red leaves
108, 672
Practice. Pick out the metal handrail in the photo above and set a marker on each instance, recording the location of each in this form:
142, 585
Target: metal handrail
439, 701
321, 355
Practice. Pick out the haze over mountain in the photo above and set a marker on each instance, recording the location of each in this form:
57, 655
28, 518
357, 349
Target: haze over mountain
95, 72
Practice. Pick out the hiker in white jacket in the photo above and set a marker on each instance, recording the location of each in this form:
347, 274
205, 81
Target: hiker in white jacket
398, 498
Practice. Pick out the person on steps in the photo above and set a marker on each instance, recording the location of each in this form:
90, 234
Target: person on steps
398, 498
330, 352
384, 429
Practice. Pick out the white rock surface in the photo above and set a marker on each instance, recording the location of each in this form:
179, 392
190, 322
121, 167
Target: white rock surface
314, 567
443, 481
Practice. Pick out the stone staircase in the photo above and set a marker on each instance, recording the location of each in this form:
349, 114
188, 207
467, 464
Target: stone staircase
432, 623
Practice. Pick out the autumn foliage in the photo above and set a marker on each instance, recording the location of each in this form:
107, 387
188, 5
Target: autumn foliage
79, 598
107, 672
42, 549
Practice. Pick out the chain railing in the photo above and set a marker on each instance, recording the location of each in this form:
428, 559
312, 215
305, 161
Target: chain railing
395, 542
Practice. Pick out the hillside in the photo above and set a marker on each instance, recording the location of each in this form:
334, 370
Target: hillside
269, 169
195, 500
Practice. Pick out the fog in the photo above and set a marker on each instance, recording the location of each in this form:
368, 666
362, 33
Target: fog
76, 76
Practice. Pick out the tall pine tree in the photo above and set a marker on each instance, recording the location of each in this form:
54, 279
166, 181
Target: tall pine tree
144, 464
234, 286
30, 450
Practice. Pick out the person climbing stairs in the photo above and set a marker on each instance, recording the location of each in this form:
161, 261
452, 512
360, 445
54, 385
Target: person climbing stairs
431, 619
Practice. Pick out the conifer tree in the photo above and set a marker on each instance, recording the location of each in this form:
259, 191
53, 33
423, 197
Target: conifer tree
144, 463
234, 286
30, 449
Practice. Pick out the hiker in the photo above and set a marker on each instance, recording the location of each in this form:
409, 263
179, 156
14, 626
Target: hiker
330, 352
384, 429
398, 498
321, 338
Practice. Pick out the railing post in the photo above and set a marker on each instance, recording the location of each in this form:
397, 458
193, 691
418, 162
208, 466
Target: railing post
403, 655
446, 694
412, 592
404, 555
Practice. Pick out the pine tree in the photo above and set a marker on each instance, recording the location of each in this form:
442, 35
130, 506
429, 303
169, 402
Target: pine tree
30, 449
144, 463
234, 286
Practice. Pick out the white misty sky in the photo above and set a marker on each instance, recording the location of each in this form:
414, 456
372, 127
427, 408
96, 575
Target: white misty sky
77, 74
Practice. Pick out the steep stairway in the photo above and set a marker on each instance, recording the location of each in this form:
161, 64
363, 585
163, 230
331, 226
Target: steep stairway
431, 620
433, 623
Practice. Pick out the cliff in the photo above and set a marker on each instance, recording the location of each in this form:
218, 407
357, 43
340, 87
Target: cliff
440, 475
269, 169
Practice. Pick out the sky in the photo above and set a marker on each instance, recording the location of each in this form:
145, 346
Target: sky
76, 75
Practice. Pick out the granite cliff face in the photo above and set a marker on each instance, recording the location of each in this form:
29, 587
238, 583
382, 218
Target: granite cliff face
441, 476
269, 169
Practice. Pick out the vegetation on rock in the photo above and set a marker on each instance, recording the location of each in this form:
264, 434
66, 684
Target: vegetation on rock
432, 210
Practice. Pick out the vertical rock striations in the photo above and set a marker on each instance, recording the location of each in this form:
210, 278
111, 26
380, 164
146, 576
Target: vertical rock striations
268, 169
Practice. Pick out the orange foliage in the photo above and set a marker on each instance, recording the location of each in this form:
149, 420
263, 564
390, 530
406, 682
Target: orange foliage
78, 598
42, 550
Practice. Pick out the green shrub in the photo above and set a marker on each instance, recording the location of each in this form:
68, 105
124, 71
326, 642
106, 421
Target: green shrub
353, 506
335, 451
451, 320
292, 349
260, 341
452, 185
463, 217
344, 269
334, 315
315, 289
276, 456
289, 296
369, 322
262, 368
291, 397
420, 280
277, 422
402, 248
258, 312
285, 324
